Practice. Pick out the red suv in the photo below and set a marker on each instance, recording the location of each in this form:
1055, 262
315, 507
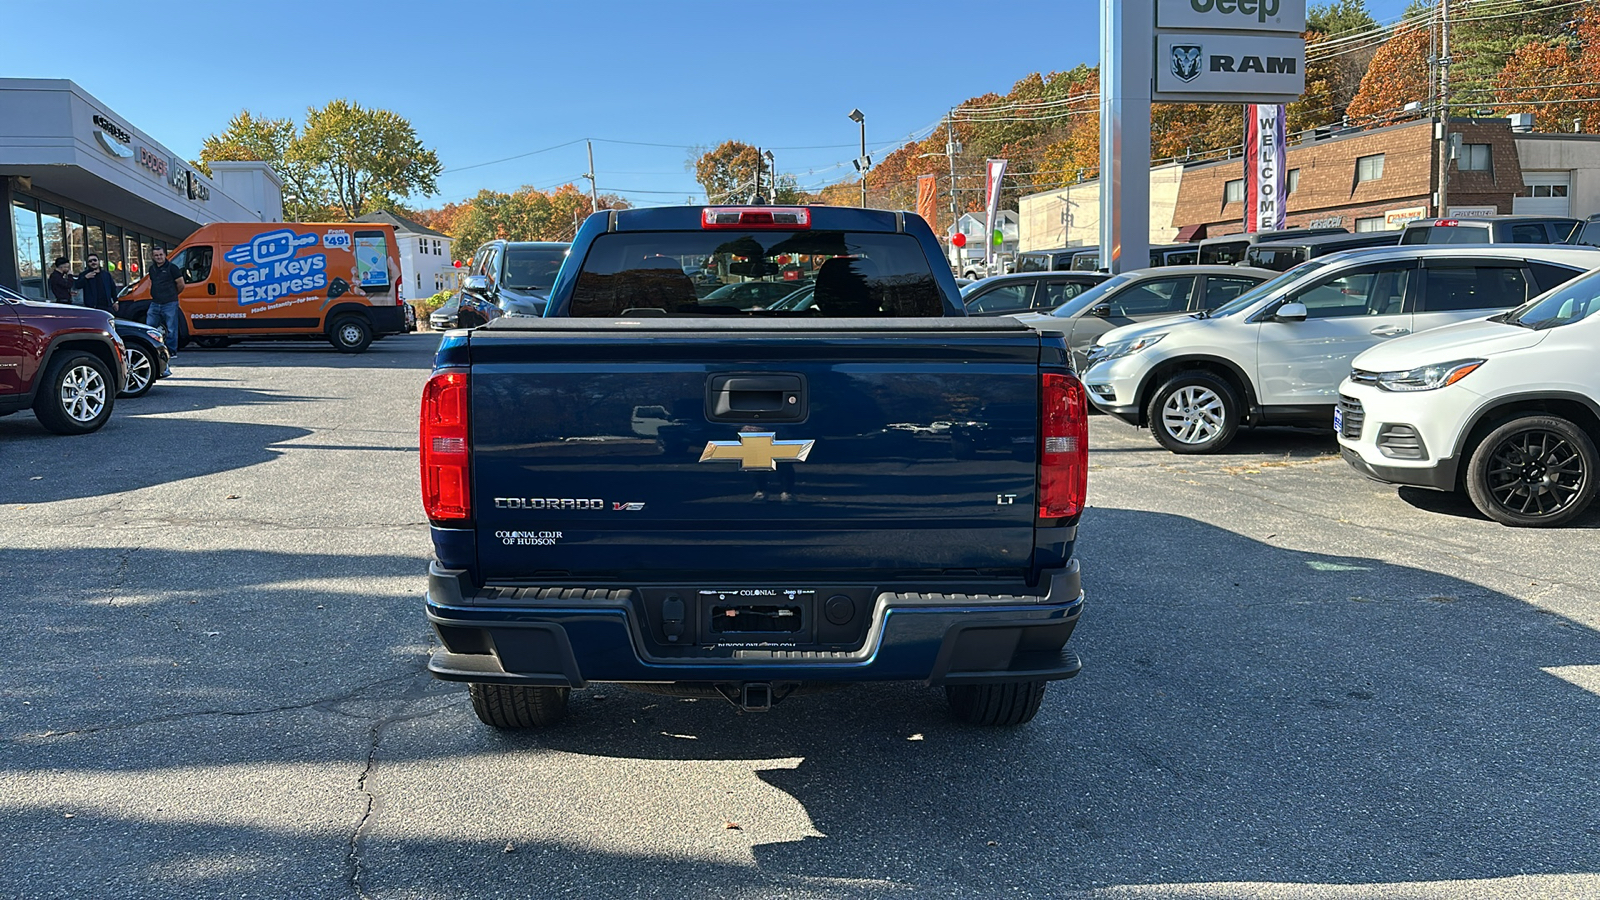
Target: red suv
66, 362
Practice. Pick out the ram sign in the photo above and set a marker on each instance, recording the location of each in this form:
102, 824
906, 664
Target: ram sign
1210, 67
1233, 15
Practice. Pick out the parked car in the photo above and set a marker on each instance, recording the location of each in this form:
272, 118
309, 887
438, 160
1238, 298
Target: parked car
1490, 230
1140, 296
1281, 256
1587, 233
67, 363
1230, 249
1505, 408
148, 356
515, 276
750, 294
1035, 292
463, 310
1277, 354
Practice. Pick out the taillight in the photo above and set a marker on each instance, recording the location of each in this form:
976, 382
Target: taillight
1064, 446
446, 448
785, 218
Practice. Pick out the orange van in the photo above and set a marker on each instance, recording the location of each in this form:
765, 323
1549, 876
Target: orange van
254, 280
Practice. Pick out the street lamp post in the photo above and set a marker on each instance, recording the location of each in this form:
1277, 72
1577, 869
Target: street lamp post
772, 172
862, 163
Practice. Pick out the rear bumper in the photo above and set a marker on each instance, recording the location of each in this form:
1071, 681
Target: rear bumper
387, 319
595, 636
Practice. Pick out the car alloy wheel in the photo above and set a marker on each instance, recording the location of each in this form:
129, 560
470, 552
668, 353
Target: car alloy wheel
139, 371
1193, 415
83, 394
1536, 473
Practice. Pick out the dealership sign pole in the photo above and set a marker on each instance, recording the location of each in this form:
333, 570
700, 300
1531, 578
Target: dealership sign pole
1205, 51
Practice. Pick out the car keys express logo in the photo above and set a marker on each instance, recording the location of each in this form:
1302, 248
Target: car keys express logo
267, 268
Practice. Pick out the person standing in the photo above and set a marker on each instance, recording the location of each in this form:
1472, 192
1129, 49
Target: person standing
166, 281
99, 288
61, 281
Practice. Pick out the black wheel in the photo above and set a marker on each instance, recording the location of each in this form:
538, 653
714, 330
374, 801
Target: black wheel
1194, 412
996, 704
141, 370
513, 706
350, 334
76, 395
1534, 471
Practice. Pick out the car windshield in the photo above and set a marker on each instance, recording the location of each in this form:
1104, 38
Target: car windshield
852, 274
1263, 290
533, 269
1572, 302
1090, 297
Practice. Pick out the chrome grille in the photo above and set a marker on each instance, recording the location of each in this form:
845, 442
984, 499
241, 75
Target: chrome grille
1363, 377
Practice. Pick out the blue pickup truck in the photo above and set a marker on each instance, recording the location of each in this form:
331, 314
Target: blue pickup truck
836, 478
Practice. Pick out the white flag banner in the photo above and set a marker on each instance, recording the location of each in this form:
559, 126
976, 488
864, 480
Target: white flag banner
994, 172
1266, 180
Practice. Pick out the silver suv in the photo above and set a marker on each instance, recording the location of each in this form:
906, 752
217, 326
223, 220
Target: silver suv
1276, 355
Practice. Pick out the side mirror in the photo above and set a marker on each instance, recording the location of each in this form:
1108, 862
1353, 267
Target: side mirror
1102, 311
475, 284
1291, 312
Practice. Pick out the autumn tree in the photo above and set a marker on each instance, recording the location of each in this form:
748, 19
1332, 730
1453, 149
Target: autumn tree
727, 173
1399, 74
1483, 42
527, 214
1554, 79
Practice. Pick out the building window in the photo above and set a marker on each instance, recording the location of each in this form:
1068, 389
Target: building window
1233, 191
1374, 223
1475, 158
1369, 168
1294, 180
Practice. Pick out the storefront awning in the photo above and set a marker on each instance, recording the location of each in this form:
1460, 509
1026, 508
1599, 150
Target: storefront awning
1190, 233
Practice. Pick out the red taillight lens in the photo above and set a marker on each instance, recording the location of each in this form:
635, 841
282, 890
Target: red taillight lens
1064, 446
446, 448
778, 218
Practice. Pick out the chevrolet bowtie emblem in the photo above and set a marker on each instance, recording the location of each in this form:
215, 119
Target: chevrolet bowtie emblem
757, 451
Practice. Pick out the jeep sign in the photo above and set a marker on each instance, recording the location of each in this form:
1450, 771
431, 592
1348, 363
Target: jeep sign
1233, 15
1234, 68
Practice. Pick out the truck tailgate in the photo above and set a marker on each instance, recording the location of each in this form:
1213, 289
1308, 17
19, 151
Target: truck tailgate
672, 447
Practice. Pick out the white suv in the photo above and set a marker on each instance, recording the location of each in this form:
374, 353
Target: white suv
1276, 355
1506, 407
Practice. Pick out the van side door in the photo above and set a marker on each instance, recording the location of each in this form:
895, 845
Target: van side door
1300, 364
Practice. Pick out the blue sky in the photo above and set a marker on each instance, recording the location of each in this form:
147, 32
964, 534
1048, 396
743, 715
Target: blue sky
486, 81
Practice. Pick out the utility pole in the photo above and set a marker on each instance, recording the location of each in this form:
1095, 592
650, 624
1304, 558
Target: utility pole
594, 191
758, 173
1444, 108
950, 154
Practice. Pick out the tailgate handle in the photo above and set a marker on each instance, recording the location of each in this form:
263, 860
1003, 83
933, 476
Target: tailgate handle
756, 398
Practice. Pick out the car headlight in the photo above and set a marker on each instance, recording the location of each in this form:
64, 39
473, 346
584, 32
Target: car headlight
1427, 378
1124, 348
155, 335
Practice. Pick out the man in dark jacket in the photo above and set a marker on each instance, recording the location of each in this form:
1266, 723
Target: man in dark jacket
99, 288
61, 281
166, 283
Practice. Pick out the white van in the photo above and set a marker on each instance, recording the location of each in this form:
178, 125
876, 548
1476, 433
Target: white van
1276, 355
1506, 408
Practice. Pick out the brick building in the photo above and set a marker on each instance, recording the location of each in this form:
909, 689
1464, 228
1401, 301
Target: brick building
1366, 181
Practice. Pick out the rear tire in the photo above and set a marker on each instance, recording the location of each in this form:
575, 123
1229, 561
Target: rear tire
350, 334
513, 706
1194, 412
996, 704
76, 395
1533, 472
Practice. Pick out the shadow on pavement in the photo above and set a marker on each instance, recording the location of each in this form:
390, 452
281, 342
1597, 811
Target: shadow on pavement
1458, 504
408, 351
1246, 713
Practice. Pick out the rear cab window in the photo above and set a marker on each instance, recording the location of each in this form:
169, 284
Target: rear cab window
757, 272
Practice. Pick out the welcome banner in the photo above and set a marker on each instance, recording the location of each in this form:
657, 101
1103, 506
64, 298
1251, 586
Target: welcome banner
1266, 179
994, 171
927, 199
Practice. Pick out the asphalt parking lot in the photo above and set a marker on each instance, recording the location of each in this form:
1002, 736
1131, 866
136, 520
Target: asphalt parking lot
1297, 684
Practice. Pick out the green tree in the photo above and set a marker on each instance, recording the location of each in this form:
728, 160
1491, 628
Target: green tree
252, 137
1483, 41
369, 157
348, 160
